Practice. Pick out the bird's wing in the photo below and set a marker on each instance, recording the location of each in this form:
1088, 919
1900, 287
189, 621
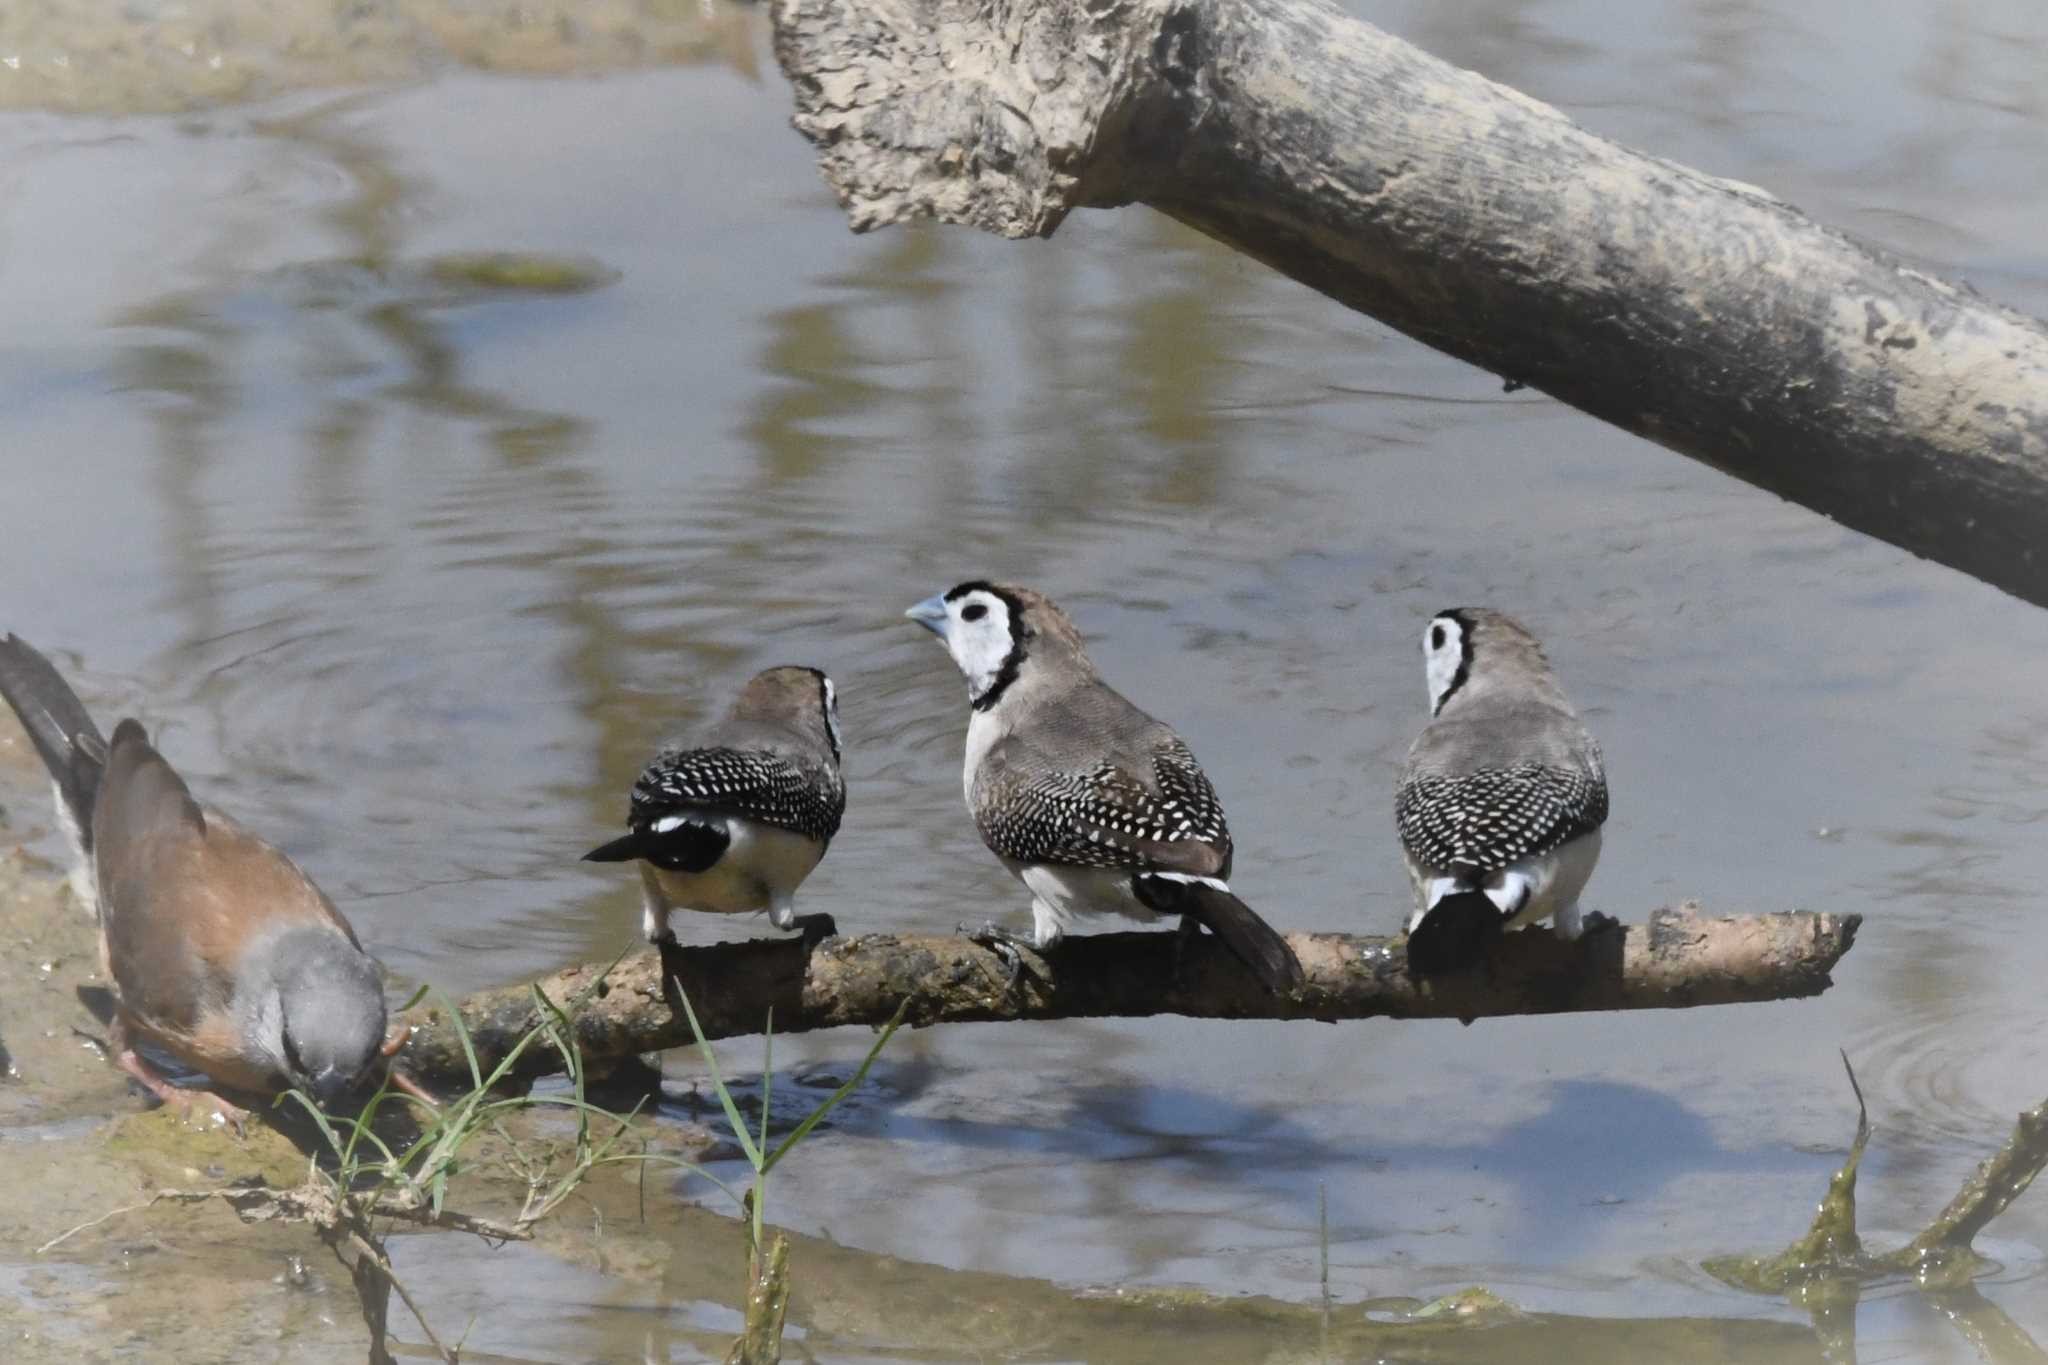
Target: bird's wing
1487, 819
185, 892
1114, 814
758, 784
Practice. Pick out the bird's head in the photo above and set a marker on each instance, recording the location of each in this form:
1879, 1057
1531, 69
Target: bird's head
795, 698
1466, 650
998, 634
322, 1020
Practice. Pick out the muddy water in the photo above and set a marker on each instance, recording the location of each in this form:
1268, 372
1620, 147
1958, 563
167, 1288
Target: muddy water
411, 562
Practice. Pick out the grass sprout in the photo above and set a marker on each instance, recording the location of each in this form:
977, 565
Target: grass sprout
767, 1298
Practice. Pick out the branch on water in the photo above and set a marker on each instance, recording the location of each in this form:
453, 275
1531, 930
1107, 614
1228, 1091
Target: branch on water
1697, 312
1678, 960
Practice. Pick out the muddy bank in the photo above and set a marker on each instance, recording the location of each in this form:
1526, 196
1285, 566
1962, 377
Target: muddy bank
76, 56
195, 1283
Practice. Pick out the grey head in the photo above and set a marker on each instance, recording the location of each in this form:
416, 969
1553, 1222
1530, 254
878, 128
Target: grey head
787, 700
311, 1003
1472, 654
1001, 635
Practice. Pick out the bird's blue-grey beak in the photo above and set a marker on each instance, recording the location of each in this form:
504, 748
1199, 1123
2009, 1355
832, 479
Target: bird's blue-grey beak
931, 614
330, 1086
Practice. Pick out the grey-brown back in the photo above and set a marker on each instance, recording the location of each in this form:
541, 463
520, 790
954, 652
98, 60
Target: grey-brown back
184, 891
1083, 777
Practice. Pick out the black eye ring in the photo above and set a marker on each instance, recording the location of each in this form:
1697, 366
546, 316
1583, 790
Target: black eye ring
974, 611
1436, 637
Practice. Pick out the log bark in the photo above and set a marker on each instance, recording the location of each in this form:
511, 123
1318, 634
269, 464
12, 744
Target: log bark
1677, 960
1698, 312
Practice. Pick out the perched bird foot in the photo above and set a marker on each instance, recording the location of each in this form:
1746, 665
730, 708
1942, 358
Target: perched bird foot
816, 928
184, 1101
1597, 922
1017, 952
233, 1116
406, 1085
396, 1040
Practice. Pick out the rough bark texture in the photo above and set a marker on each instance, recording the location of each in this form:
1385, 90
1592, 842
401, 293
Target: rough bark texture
1679, 959
1698, 312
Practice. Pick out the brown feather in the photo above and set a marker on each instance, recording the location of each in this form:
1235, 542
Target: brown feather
183, 892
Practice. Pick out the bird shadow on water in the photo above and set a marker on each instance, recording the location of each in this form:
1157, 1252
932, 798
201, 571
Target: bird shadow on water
1560, 1173
1593, 1147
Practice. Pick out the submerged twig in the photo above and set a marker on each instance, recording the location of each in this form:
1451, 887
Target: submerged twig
1825, 1271
760, 1343
2002, 1178
369, 1251
1991, 1332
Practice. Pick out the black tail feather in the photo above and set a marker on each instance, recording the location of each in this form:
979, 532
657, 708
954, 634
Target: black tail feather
1454, 935
58, 724
1254, 942
690, 846
623, 849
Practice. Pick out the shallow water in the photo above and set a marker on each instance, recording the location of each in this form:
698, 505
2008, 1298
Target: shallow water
412, 572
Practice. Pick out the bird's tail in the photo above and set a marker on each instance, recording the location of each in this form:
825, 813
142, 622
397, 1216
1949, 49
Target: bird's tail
676, 843
1454, 935
59, 726
623, 849
1255, 943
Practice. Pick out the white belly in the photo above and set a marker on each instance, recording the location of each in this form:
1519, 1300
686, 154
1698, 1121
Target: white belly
761, 869
1061, 894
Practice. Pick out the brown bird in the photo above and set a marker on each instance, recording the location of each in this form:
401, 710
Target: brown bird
222, 952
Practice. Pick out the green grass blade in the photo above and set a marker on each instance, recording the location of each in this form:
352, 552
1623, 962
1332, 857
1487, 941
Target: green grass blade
732, 1110
817, 1115
320, 1120
767, 1072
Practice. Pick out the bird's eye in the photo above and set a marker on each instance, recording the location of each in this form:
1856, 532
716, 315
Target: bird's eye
1436, 637
973, 612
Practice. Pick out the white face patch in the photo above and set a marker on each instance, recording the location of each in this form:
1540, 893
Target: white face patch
978, 637
832, 716
1443, 657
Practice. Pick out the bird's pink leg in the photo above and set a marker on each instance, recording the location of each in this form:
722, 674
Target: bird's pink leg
399, 1080
152, 1080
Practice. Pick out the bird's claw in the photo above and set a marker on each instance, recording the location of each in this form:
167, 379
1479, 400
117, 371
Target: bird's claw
816, 928
1017, 952
192, 1106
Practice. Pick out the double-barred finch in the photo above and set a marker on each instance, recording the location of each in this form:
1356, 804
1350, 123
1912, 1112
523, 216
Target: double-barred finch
222, 952
1092, 804
1502, 799
732, 823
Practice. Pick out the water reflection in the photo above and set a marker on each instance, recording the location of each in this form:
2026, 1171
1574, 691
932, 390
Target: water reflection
418, 570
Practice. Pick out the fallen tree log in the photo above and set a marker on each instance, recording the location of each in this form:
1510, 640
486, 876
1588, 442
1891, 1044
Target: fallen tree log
1695, 311
1677, 960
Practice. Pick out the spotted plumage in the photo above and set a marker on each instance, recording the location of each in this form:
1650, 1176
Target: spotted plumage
1501, 803
803, 798
733, 822
1107, 816
1097, 807
1488, 819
